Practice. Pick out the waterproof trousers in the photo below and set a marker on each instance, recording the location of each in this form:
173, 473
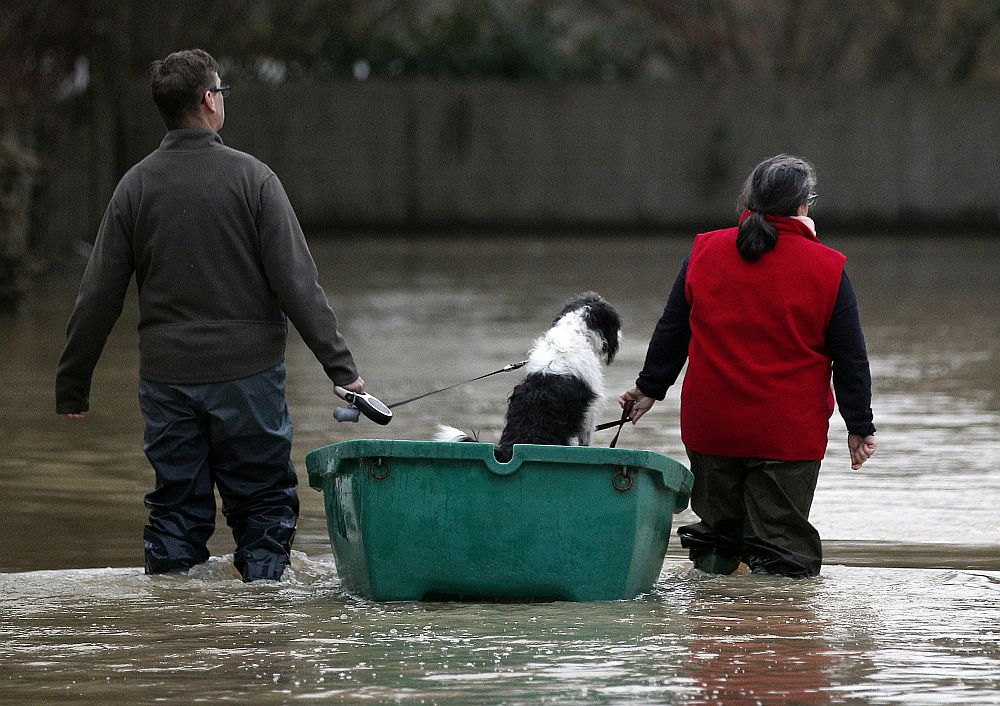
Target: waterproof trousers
753, 511
235, 436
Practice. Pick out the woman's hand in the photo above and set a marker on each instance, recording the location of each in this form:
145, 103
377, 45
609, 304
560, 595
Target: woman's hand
861, 448
640, 403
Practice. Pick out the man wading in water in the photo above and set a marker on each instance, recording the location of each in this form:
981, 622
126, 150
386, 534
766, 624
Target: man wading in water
220, 262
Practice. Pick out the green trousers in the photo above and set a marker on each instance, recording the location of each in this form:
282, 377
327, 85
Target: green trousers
754, 511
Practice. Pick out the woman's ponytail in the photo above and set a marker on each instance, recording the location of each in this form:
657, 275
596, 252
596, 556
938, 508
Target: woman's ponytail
776, 187
756, 236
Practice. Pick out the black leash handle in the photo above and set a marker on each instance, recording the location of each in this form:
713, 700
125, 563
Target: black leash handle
626, 411
505, 369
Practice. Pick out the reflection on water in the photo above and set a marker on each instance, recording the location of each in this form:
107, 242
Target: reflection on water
850, 636
423, 314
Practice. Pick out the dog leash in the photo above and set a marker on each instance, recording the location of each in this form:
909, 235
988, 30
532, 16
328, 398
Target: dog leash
505, 369
607, 425
626, 411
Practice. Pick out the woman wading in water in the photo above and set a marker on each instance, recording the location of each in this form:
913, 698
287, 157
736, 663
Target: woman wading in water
764, 315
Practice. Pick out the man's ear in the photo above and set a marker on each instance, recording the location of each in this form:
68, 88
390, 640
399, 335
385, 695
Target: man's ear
208, 98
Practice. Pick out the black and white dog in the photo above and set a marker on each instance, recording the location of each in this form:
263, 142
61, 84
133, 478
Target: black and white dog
557, 400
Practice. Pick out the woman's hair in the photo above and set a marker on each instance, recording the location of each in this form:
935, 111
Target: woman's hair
776, 187
179, 82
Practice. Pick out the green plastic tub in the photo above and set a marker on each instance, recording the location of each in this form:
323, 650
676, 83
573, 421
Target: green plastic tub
424, 520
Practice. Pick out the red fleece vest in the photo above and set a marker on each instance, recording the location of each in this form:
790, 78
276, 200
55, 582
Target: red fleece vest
758, 377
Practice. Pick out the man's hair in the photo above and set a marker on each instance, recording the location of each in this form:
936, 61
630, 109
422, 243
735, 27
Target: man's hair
179, 82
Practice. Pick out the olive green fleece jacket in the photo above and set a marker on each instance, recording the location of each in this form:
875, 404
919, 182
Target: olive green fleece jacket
219, 261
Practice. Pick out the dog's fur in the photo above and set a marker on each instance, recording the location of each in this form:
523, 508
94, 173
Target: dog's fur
556, 402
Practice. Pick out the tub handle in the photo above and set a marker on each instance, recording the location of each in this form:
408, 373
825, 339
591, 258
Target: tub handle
622, 479
378, 468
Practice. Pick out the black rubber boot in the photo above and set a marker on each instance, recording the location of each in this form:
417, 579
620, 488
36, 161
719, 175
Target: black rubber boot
164, 554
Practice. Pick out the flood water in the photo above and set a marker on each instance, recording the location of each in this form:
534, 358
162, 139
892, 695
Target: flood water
907, 609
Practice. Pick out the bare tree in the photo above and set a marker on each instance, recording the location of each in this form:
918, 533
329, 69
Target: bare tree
843, 41
41, 42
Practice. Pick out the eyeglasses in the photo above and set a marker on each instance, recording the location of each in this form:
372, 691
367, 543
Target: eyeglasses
810, 199
224, 90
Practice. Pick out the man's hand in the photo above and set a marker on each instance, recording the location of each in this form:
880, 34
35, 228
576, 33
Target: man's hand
640, 403
358, 386
861, 448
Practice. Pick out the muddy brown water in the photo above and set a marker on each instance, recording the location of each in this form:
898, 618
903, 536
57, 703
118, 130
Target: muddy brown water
906, 610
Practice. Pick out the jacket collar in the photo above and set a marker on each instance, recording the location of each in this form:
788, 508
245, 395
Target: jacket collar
190, 138
792, 225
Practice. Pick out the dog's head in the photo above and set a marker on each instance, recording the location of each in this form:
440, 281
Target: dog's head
600, 317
